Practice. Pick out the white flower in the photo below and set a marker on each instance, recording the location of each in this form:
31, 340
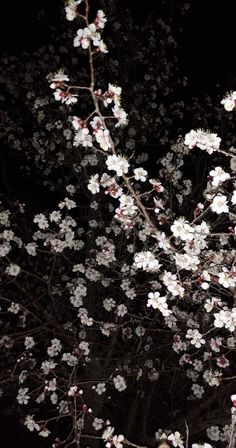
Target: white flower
219, 176
44, 432
226, 318
229, 101
102, 46
103, 138
22, 396
48, 366
210, 303
213, 433
181, 228
68, 203
84, 346
196, 338
203, 140
233, 199
146, 260
65, 96
71, 9
82, 38
118, 164
107, 433
72, 391
120, 115
119, 383
57, 78
121, 310
55, 216
219, 204
100, 388
13, 270
198, 391
109, 304
41, 220
212, 377
176, 439
158, 302
55, 347
29, 342
222, 362
116, 441
97, 423
186, 261
140, 174
100, 19
31, 249
94, 185
14, 308
30, 423
115, 92
233, 399
226, 278
70, 359
82, 137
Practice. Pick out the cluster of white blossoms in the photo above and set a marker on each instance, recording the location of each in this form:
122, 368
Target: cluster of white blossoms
194, 237
119, 383
172, 284
113, 97
219, 176
58, 82
212, 377
229, 101
110, 185
71, 9
100, 388
140, 174
94, 184
181, 229
13, 270
31, 424
23, 396
226, 319
84, 138
118, 164
105, 255
111, 439
219, 204
227, 278
146, 260
126, 211
187, 261
202, 139
91, 34
102, 135
195, 337
157, 302
175, 438
54, 348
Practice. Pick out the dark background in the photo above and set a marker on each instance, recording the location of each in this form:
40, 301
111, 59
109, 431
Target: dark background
206, 45
206, 49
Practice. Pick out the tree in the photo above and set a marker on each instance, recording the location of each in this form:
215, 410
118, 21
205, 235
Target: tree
118, 296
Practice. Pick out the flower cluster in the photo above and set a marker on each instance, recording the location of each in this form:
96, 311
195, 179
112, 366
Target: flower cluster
204, 140
91, 34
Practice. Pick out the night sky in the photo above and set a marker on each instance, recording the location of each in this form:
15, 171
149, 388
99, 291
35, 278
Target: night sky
206, 45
